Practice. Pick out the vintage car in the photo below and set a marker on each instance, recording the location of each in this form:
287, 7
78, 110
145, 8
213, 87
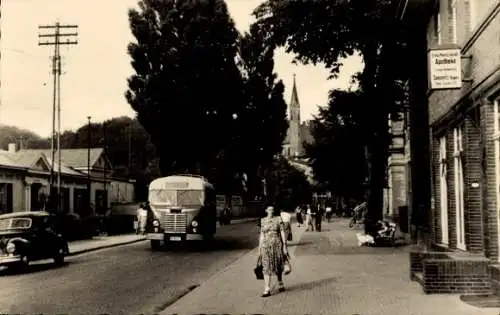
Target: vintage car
30, 236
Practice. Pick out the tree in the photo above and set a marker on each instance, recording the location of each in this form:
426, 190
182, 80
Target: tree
287, 187
327, 31
263, 120
28, 139
187, 88
338, 152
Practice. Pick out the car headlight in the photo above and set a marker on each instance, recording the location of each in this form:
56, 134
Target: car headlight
194, 224
156, 223
10, 248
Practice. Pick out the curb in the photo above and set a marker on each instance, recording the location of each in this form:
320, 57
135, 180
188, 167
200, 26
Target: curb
92, 249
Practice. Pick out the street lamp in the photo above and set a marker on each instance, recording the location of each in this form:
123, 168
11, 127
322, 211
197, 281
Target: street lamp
88, 164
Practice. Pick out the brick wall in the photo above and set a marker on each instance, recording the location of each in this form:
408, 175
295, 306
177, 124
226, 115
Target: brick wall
456, 276
472, 175
451, 191
484, 50
490, 215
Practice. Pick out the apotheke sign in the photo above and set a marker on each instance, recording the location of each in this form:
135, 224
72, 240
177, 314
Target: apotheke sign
445, 69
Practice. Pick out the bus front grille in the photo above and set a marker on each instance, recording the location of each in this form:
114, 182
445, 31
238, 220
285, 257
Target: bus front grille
175, 223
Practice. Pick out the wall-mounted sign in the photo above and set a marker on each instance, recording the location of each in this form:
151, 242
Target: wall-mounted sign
445, 69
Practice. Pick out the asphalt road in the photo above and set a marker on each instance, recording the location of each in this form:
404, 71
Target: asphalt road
122, 280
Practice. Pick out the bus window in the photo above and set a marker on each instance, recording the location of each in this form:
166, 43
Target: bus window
163, 196
190, 198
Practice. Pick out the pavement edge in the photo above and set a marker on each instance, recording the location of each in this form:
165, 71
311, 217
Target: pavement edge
92, 249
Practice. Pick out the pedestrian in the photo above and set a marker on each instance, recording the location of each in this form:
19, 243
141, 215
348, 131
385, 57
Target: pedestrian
329, 212
287, 218
142, 217
309, 223
318, 218
273, 251
298, 214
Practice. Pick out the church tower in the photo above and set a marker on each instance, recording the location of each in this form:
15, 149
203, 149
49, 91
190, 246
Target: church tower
293, 143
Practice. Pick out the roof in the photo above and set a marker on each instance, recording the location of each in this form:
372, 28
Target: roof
28, 159
75, 158
24, 214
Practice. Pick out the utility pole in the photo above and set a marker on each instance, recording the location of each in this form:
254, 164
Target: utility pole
88, 165
58, 40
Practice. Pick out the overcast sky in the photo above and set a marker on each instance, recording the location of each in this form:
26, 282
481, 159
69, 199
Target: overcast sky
95, 70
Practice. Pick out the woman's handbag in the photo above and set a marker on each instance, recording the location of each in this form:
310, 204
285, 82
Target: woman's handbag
259, 270
287, 268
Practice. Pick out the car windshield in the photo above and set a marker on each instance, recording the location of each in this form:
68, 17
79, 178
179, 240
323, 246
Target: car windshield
176, 197
15, 223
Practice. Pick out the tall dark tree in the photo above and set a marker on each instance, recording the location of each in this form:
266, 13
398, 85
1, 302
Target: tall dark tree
327, 31
338, 152
187, 86
263, 120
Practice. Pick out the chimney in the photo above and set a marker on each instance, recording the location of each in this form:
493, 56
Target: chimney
12, 148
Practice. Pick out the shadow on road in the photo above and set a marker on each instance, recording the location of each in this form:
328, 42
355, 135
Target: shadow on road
33, 268
311, 285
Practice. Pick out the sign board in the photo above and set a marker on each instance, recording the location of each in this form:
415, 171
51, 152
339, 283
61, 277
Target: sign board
445, 69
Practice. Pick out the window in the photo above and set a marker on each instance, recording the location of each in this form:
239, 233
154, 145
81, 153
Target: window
459, 187
6, 198
176, 197
443, 189
453, 21
470, 12
437, 24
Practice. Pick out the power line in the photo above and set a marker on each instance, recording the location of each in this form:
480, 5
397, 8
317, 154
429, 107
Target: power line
56, 38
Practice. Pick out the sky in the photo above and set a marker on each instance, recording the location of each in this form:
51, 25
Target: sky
96, 69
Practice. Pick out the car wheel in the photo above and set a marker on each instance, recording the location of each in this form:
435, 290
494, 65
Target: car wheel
155, 245
59, 257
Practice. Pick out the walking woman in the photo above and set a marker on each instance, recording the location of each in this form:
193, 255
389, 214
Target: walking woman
272, 249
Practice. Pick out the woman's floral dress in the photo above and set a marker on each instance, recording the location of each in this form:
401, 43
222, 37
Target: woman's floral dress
271, 251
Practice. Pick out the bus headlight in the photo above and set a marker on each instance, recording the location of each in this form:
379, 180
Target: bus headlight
10, 248
156, 223
194, 224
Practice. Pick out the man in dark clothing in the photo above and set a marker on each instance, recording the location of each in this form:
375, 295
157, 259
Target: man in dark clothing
318, 218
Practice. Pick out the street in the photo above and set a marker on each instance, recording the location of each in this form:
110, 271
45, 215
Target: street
123, 280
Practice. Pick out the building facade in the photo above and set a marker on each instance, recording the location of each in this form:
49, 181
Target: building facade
396, 195
465, 154
25, 181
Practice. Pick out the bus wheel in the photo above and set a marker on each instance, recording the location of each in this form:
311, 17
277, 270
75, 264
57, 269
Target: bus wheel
155, 245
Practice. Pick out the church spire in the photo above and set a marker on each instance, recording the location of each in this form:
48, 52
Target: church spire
294, 102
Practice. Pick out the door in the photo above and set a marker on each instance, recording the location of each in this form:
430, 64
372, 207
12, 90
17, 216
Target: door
459, 187
443, 187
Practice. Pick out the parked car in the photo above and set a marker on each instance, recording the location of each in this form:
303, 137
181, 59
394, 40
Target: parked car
30, 236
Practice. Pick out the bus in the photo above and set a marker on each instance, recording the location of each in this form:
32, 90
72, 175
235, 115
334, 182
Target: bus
183, 208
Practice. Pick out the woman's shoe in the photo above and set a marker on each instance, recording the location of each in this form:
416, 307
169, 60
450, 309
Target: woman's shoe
266, 293
281, 287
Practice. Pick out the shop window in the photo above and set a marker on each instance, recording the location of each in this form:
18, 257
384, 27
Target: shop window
443, 187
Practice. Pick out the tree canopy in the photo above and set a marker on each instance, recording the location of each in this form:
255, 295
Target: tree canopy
327, 31
207, 95
187, 86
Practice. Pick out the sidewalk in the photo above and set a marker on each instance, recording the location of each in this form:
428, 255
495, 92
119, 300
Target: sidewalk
331, 275
101, 242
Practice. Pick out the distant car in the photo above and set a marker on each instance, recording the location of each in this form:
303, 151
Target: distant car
30, 236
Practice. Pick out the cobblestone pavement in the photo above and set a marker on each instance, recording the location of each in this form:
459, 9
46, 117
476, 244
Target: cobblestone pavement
331, 275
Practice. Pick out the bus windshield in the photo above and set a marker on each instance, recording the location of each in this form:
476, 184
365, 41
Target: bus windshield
172, 197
